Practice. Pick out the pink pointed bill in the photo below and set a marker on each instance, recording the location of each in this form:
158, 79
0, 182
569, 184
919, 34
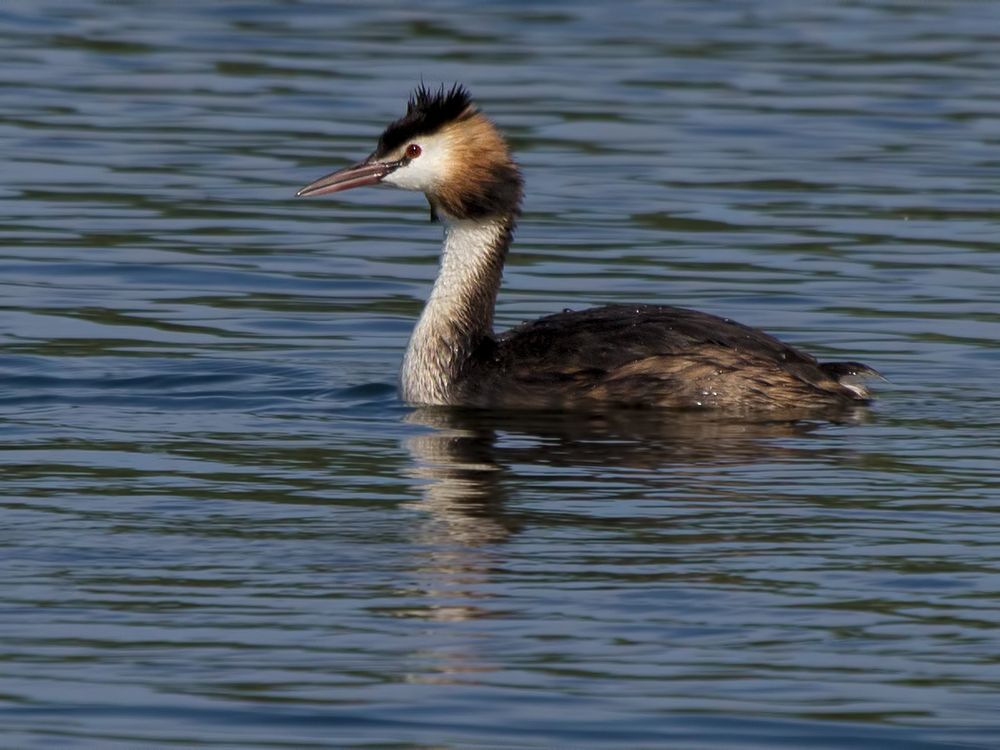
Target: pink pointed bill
350, 177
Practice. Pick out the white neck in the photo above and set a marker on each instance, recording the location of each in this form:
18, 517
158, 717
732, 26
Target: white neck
459, 311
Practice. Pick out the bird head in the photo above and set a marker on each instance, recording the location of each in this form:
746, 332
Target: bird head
444, 147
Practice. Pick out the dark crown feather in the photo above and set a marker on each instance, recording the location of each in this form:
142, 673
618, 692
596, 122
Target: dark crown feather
426, 112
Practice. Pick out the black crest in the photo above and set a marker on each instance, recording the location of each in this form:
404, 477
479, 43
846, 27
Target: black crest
426, 112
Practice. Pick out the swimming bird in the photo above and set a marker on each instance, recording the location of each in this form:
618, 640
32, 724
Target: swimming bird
638, 355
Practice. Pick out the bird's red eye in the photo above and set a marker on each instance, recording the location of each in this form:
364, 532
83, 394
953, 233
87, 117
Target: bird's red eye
413, 151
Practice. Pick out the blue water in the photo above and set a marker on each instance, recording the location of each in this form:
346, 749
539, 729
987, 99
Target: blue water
219, 527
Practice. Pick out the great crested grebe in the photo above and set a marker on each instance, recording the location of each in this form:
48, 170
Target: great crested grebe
618, 355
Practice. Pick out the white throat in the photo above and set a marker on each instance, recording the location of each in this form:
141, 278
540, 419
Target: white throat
459, 309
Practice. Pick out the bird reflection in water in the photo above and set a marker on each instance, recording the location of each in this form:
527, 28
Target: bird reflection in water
472, 461
474, 464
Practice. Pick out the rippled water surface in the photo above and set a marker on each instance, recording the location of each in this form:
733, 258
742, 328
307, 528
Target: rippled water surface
221, 528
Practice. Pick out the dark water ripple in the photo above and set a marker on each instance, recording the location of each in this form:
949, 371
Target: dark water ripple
220, 528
